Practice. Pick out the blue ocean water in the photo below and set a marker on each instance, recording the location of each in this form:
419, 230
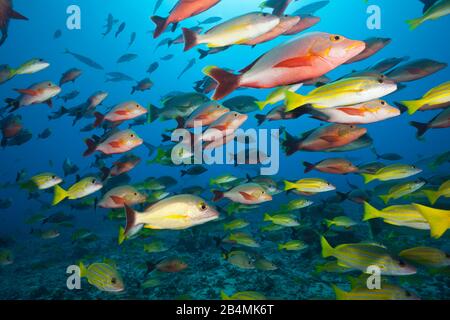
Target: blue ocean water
39, 268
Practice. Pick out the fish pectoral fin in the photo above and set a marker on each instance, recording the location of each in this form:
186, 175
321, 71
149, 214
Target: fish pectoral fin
352, 111
147, 226
247, 196
121, 112
115, 144
305, 61
330, 138
16, 15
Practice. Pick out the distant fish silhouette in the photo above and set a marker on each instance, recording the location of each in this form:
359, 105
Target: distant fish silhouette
87, 61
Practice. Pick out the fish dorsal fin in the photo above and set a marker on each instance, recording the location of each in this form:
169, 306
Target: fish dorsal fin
251, 65
428, 4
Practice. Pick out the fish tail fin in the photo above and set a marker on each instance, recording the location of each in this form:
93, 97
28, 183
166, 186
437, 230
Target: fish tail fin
153, 113
294, 100
414, 23
368, 177
261, 104
203, 53
161, 25
133, 89
385, 198
290, 144
122, 236
183, 173
98, 119
267, 217
224, 296
131, 227
280, 247
289, 185
370, 212
412, 106
340, 294
260, 118
308, 166
329, 223
60, 195
438, 219
83, 270
432, 196
327, 249
190, 39
422, 128
91, 146
217, 195
227, 81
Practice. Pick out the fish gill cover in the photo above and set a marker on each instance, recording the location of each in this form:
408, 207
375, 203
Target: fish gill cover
207, 150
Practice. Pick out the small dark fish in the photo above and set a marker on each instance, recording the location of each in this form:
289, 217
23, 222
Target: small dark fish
117, 77
142, 85
415, 70
127, 57
57, 34
69, 96
23, 137
69, 168
5, 203
121, 28
58, 217
70, 76
166, 41
210, 20
387, 156
189, 65
110, 22
45, 134
58, 114
242, 104
168, 57
152, 68
132, 39
278, 6
85, 60
194, 170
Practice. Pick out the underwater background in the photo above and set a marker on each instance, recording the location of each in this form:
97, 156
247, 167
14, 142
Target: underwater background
39, 267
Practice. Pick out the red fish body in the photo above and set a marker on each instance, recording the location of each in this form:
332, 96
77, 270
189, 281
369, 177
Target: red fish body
183, 10
306, 57
121, 112
119, 142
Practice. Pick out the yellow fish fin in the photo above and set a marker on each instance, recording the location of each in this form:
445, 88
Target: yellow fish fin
60, 195
438, 219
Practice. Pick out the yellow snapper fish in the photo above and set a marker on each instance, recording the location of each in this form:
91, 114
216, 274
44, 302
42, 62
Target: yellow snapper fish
41, 181
172, 213
426, 256
242, 239
247, 193
439, 219
387, 292
117, 197
234, 31
240, 259
401, 190
400, 215
443, 191
293, 245
344, 92
155, 247
341, 221
296, 204
103, 276
285, 220
361, 255
244, 295
392, 172
309, 185
436, 98
277, 95
235, 224
265, 265
434, 11
81, 189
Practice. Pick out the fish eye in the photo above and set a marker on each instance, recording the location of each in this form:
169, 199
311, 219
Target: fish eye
408, 294
335, 38
132, 135
401, 263
137, 106
202, 206
383, 103
49, 84
265, 14
93, 181
235, 114
113, 280
135, 193
53, 177
380, 80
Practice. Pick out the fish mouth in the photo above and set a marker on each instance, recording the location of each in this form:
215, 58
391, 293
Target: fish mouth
356, 46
